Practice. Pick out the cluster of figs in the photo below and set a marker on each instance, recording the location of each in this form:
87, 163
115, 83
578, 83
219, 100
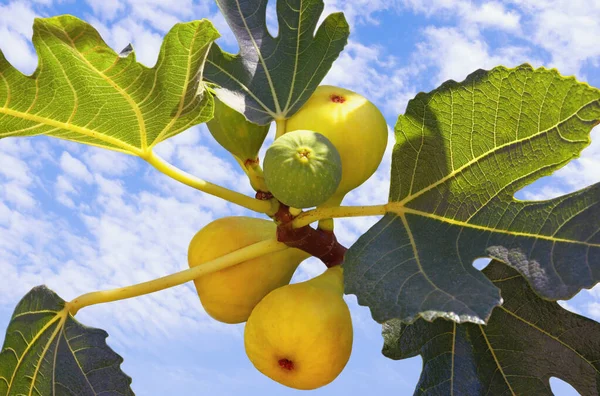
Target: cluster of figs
299, 335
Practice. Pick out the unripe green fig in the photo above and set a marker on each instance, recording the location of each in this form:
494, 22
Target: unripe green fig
237, 135
229, 295
300, 335
353, 124
302, 169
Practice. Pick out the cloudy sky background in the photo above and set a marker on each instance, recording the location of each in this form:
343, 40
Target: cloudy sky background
79, 219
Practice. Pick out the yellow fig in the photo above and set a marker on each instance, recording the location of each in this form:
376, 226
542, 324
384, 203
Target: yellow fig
353, 124
300, 335
229, 295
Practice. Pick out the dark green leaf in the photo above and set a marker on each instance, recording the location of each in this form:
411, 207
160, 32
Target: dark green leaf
271, 78
526, 341
83, 91
47, 352
462, 151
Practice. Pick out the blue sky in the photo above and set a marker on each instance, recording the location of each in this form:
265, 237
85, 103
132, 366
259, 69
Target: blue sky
81, 219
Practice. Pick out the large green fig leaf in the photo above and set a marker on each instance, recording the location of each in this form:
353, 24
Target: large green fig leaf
526, 341
461, 153
272, 77
47, 352
85, 92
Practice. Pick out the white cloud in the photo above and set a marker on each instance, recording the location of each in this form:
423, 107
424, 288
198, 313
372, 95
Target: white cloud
492, 15
109, 162
18, 177
469, 14
368, 71
146, 43
567, 29
455, 55
106, 9
74, 167
16, 29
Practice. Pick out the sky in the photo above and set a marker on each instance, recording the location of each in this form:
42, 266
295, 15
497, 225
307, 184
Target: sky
80, 219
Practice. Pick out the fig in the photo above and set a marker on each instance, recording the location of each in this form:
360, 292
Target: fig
229, 295
235, 133
353, 124
302, 169
300, 335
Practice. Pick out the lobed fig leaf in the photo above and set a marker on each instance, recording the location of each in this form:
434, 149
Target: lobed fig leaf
302, 169
462, 151
229, 295
526, 342
47, 352
272, 77
300, 335
83, 91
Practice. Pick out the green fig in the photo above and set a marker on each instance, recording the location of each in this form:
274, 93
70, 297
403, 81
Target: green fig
302, 169
237, 135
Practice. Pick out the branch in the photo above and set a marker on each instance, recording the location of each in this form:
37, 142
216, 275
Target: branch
319, 243
281, 127
335, 212
267, 207
178, 278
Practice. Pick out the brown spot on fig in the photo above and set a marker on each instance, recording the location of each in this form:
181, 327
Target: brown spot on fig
249, 162
286, 364
337, 98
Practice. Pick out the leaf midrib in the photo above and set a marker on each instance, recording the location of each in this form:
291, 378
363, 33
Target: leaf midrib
400, 210
184, 88
134, 106
296, 57
261, 59
73, 128
491, 349
410, 197
550, 336
33, 340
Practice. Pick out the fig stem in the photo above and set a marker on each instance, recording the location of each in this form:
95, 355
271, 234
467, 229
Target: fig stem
255, 174
339, 211
178, 278
237, 198
281, 127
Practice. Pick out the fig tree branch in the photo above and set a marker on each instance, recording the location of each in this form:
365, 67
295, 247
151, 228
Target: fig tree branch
261, 206
254, 172
321, 244
178, 278
311, 216
281, 127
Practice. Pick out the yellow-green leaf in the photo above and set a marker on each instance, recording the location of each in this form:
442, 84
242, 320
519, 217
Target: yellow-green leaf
85, 92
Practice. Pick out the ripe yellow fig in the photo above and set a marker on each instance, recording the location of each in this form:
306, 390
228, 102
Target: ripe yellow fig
353, 124
300, 335
229, 295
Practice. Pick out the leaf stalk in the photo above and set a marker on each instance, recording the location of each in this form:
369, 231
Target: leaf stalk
260, 206
311, 216
178, 278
